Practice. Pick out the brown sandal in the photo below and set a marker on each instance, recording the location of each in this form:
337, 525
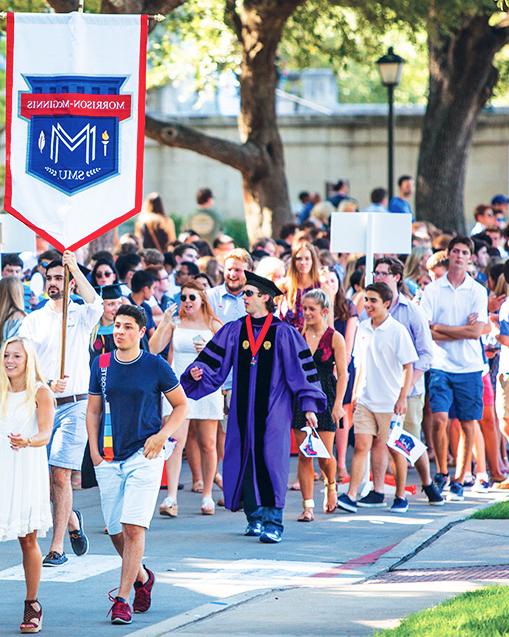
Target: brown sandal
32, 618
307, 515
330, 487
218, 480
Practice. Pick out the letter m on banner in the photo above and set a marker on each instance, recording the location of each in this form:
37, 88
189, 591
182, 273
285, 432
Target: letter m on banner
75, 123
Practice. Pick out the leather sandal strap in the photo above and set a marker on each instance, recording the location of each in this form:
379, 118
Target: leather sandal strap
30, 613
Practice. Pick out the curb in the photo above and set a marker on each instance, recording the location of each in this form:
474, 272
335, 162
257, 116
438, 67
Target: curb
415, 543
202, 612
404, 551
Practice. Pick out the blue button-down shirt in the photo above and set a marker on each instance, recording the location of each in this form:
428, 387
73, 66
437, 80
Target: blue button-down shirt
413, 318
227, 307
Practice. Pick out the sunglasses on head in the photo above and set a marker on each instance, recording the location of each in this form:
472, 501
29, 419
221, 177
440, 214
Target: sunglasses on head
191, 297
250, 293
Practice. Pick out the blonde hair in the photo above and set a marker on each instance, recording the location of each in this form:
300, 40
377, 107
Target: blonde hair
292, 284
269, 266
11, 300
413, 267
349, 204
33, 374
322, 211
240, 255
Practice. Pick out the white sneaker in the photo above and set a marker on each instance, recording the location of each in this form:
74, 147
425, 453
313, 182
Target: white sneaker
481, 485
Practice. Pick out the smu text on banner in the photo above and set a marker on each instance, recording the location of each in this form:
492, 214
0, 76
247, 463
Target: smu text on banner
75, 117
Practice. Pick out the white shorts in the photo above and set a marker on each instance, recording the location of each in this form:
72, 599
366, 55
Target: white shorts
129, 490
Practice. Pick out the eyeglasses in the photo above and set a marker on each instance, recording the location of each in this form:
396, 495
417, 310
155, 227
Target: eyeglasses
191, 297
250, 293
380, 274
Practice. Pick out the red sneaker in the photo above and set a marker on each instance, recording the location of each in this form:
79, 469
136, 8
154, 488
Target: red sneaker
120, 611
143, 593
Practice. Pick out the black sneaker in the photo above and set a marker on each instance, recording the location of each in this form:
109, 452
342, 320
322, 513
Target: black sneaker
79, 541
372, 500
441, 481
400, 505
433, 495
347, 504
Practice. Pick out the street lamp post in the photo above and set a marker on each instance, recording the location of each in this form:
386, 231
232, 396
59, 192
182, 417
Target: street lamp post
390, 67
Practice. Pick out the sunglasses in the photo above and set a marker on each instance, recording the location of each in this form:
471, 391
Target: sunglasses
191, 297
103, 275
250, 293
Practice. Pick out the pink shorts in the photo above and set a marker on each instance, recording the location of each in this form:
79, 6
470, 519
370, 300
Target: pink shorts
488, 395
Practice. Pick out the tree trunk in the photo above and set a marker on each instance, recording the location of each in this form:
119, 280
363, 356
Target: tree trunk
259, 27
461, 80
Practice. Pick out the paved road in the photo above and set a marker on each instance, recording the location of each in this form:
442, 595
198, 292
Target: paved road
200, 559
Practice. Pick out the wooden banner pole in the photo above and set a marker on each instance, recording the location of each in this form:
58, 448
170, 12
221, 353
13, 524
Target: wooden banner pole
64, 321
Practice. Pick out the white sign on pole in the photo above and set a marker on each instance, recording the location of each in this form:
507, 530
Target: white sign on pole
370, 233
15, 236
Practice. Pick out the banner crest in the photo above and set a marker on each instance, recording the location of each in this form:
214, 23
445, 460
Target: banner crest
75, 123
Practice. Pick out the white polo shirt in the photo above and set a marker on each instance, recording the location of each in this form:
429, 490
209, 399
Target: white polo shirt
442, 303
381, 353
44, 328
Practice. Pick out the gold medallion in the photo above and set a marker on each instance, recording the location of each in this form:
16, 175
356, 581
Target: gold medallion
245, 344
267, 345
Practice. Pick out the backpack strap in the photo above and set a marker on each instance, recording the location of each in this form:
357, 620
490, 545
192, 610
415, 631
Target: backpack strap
104, 363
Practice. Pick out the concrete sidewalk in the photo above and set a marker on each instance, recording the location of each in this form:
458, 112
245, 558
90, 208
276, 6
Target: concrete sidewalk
427, 568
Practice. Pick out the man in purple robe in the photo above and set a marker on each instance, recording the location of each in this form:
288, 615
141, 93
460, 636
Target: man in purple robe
273, 371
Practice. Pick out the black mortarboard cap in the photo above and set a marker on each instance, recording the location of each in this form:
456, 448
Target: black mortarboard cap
109, 292
266, 286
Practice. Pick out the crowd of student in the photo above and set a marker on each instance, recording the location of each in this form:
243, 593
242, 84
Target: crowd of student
281, 337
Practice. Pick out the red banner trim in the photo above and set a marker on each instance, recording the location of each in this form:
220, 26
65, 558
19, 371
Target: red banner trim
140, 148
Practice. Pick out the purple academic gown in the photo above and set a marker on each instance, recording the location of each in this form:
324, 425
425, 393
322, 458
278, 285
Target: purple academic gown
263, 399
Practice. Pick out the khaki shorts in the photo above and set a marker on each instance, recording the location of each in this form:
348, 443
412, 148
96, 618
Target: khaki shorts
371, 423
227, 402
413, 416
502, 397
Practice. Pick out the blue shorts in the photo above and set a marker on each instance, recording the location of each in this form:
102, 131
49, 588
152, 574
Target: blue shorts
69, 436
461, 393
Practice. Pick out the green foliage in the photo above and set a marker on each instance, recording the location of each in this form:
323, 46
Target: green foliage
195, 44
236, 228
342, 39
480, 613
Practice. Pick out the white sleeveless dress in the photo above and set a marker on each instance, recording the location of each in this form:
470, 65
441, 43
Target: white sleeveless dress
210, 407
24, 476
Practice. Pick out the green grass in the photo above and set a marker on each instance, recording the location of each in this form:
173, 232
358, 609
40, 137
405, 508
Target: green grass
498, 511
480, 613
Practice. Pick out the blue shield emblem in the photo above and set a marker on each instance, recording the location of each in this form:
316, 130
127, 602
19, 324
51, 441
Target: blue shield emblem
73, 129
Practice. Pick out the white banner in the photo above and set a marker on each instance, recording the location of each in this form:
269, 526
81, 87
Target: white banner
75, 116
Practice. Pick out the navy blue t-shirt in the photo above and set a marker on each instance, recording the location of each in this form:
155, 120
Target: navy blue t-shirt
133, 391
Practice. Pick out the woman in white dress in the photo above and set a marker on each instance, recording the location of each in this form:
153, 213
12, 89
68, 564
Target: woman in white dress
195, 326
26, 420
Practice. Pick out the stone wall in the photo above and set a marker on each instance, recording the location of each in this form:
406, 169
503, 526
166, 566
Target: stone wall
321, 148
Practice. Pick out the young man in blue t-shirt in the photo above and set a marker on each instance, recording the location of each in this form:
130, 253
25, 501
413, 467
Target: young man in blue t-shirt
126, 446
